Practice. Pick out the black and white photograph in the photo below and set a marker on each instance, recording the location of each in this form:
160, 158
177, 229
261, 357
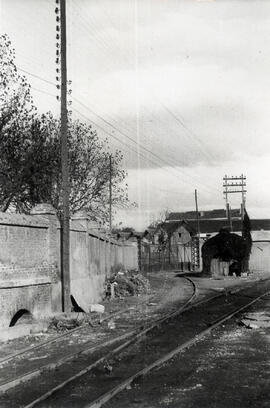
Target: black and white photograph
134, 203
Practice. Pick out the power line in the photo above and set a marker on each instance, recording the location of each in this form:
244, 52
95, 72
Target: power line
36, 76
42, 91
119, 131
146, 159
137, 144
181, 122
140, 154
87, 23
183, 125
124, 134
113, 136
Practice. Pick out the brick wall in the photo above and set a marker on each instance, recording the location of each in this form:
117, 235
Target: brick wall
94, 256
30, 270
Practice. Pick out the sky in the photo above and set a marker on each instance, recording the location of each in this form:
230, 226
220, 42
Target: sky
182, 87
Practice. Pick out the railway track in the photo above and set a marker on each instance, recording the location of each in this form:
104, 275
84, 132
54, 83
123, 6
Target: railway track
34, 355
105, 371
70, 333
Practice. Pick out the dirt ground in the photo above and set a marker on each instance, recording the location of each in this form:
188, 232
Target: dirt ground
176, 383
230, 368
168, 291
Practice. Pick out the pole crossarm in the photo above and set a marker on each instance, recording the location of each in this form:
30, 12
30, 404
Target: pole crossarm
234, 191
235, 185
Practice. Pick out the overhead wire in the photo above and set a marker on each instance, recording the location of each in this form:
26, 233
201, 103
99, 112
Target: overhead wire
114, 127
180, 121
142, 147
145, 158
166, 108
88, 23
36, 76
105, 121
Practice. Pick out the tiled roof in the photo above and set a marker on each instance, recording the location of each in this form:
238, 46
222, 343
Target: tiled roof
209, 226
171, 227
191, 215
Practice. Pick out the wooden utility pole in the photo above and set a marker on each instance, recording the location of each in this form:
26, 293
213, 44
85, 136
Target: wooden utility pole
196, 261
64, 164
110, 192
197, 214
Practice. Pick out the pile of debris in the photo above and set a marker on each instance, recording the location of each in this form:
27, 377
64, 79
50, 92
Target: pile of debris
256, 320
66, 322
126, 283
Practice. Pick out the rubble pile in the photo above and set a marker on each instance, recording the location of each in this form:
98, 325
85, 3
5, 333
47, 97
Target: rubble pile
65, 322
127, 283
256, 320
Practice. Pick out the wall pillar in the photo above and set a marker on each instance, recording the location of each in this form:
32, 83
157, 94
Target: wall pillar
48, 212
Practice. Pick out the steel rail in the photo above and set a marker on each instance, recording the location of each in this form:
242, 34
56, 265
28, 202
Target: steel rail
189, 304
5, 386
68, 333
116, 390
51, 366
136, 336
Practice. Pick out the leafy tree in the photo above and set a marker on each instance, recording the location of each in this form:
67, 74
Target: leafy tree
159, 218
90, 173
16, 113
39, 167
30, 166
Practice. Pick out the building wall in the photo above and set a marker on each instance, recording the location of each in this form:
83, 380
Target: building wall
260, 257
30, 268
94, 256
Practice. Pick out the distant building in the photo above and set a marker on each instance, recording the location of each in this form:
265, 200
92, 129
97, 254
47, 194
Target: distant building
210, 224
212, 221
218, 214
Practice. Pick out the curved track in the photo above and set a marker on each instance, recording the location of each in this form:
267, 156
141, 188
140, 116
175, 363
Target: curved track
100, 401
131, 355
157, 345
102, 351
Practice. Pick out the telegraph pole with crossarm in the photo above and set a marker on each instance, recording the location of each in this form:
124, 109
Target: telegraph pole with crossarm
235, 185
